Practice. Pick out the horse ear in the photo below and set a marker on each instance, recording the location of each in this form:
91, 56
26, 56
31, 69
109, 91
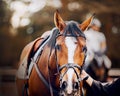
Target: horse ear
86, 23
59, 23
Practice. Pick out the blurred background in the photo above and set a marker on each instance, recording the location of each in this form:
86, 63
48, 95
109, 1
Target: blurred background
21, 21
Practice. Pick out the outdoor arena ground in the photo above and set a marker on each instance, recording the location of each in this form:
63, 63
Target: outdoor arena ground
7, 80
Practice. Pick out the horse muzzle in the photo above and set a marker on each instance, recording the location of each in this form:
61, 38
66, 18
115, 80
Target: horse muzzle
72, 94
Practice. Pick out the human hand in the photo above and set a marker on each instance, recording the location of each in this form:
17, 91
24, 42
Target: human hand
86, 77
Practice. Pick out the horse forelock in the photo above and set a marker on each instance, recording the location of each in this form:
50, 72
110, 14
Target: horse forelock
71, 29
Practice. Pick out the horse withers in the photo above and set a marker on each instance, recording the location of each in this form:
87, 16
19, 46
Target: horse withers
52, 66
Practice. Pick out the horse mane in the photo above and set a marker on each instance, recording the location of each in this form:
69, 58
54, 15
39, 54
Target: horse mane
71, 29
52, 40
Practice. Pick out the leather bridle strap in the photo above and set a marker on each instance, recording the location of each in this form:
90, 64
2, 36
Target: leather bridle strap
69, 65
42, 77
50, 86
40, 74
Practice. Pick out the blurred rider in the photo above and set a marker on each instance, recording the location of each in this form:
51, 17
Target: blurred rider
96, 45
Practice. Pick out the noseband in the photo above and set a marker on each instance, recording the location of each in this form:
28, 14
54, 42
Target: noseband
68, 66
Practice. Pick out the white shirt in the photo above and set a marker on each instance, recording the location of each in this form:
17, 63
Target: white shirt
94, 40
93, 43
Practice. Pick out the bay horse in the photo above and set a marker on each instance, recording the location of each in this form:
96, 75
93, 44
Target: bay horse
54, 63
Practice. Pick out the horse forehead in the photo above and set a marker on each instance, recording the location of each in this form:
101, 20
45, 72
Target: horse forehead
71, 46
69, 41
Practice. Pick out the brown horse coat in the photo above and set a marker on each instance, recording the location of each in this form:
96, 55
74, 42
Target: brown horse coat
26, 55
36, 86
21, 75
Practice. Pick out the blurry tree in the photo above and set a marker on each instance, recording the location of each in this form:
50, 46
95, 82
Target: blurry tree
5, 36
42, 20
11, 45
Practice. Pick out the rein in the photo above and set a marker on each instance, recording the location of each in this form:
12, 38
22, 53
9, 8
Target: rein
67, 66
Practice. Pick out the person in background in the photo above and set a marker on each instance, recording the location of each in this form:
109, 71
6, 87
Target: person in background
96, 48
96, 88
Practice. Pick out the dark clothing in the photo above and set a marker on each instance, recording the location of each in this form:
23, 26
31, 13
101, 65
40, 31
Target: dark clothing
93, 67
109, 89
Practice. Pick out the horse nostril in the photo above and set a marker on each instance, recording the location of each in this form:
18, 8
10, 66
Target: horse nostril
64, 85
76, 85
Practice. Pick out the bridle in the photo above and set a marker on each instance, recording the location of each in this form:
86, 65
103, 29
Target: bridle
59, 68
69, 65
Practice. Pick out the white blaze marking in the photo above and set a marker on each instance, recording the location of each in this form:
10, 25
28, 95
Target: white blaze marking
70, 43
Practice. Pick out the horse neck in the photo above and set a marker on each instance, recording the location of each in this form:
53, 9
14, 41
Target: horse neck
45, 62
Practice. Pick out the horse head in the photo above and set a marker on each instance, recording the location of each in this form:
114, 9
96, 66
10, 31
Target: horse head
68, 54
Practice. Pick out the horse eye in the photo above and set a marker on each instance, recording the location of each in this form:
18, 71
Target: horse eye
84, 49
58, 47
